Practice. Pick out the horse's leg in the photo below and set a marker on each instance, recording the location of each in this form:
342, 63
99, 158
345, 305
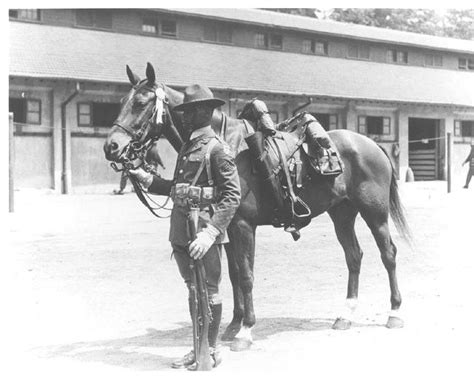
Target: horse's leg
378, 224
234, 326
343, 217
243, 237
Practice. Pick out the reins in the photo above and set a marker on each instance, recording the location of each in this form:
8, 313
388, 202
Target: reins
137, 150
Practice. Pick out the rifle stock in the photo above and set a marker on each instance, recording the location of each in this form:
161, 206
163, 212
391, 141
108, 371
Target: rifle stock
201, 314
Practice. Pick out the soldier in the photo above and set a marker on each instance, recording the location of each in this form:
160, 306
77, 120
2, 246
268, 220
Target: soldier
205, 161
470, 160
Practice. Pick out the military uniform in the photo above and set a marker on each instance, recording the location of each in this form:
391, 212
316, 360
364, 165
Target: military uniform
216, 211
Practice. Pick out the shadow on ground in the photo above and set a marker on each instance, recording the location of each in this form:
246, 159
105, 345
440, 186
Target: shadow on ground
140, 352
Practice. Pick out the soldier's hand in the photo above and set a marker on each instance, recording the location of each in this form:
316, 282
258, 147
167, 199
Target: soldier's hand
143, 177
204, 240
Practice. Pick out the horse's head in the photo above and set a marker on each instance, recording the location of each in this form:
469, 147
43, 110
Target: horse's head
141, 118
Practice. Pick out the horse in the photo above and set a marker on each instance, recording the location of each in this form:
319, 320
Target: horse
367, 187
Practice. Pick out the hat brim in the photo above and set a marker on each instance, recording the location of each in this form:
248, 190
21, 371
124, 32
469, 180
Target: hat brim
214, 103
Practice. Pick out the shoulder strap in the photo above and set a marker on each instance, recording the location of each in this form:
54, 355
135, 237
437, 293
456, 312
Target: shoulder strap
206, 162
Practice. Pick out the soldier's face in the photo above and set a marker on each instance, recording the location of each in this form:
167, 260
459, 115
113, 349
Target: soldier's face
197, 117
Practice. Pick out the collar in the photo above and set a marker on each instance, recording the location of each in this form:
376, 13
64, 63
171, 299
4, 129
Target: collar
204, 131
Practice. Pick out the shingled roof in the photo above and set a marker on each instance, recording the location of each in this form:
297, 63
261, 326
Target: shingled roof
328, 27
52, 52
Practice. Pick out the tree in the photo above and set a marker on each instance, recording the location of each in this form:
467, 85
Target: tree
458, 23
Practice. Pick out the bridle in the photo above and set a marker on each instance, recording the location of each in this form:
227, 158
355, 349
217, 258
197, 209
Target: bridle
136, 150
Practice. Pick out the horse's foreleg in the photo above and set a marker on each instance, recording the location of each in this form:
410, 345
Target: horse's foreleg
243, 237
234, 326
343, 217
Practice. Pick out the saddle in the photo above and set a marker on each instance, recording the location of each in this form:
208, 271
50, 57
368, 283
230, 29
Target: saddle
285, 164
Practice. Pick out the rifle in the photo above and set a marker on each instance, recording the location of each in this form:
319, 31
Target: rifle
200, 310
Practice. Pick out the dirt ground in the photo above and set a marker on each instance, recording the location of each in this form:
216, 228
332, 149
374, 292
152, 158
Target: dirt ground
92, 295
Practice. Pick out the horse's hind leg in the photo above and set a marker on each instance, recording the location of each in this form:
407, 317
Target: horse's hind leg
378, 224
234, 326
343, 217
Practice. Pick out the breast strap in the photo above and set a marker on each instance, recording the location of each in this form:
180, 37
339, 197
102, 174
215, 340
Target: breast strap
206, 162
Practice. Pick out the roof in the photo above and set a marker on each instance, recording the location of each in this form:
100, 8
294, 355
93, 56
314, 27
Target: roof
313, 25
44, 51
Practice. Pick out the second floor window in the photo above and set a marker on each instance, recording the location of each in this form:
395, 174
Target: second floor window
24, 14
150, 24
316, 47
433, 60
216, 33
94, 18
168, 28
269, 40
359, 52
395, 56
374, 125
464, 63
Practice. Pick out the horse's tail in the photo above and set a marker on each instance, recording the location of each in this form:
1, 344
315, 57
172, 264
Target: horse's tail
397, 211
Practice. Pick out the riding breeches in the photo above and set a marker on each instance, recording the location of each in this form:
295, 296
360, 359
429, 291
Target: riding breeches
212, 265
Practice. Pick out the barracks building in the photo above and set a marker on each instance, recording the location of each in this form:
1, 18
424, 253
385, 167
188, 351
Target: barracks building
67, 75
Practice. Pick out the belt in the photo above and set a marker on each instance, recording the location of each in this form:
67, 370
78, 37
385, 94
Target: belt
184, 194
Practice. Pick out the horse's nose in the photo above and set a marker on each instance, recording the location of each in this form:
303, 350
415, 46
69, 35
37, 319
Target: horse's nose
112, 150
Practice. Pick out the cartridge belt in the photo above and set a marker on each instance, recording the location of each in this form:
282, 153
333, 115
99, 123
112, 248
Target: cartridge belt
184, 194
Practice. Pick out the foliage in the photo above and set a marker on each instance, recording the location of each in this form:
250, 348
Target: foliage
458, 23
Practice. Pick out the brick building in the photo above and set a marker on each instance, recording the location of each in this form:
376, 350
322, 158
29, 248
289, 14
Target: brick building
67, 75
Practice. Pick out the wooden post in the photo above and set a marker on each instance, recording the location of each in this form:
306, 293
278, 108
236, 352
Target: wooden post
11, 164
448, 160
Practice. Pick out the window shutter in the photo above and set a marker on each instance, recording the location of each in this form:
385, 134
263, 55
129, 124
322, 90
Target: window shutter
386, 125
457, 128
332, 122
362, 124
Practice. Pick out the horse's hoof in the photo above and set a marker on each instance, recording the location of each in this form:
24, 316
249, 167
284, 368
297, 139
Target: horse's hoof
341, 324
240, 344
230, 332
394, 322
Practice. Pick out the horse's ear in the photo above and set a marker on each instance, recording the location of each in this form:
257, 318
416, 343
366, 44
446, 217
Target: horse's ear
134, 79
150, 73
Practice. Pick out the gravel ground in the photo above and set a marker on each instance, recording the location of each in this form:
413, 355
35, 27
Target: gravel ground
91, 294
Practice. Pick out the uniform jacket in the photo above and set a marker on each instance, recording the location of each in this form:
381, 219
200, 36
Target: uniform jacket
226, 181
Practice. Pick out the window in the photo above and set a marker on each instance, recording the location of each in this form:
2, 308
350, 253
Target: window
316, 47
97, 114
359, 52
464, 128
272, 41
433, 60
261, 40
327, 121
84, 115
26, 111
168, 28
150, 25
221, 34
95, 18
374, 125
464, 63
395, 56
24, 14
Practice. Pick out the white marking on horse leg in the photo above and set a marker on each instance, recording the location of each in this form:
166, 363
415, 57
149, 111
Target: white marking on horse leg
394, 313
349, 309
245, 333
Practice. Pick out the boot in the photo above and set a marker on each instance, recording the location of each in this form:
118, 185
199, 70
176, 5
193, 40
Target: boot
264, 120
322, 150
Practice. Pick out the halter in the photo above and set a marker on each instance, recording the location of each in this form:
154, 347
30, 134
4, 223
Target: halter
139, 144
